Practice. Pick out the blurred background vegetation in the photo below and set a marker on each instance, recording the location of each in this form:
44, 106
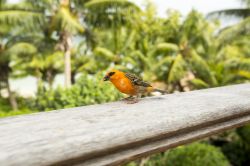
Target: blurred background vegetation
82, 39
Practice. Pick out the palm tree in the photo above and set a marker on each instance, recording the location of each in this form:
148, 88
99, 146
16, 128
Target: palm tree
59, 19
82, 61
182, 49
236, 12
8, 50
64, 18
232, 47
66, 23
112, 16
242, 28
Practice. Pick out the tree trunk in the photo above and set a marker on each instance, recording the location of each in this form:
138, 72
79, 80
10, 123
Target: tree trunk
38, 79
50, 78
67, 69
180, 87
12, 98
73, 80
67, 43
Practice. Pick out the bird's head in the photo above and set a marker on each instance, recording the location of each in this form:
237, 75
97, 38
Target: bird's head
111, 75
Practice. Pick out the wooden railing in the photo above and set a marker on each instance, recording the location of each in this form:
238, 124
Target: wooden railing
115, 133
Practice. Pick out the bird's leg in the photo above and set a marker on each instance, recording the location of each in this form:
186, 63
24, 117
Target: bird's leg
134, 100
127, 98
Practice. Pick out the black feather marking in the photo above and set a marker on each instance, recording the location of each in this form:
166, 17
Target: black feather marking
137, 80
111, 73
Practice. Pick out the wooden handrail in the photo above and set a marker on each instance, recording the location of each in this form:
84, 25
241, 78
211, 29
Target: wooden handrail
115, 133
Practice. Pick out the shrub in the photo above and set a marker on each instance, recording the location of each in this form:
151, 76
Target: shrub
87, 90
4, 105
6, 110
244, 133
196, 154
238, 150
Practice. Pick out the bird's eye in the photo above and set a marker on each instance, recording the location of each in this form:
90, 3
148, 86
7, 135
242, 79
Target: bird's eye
111, 73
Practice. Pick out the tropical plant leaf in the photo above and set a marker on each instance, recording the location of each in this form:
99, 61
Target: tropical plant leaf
231, 33
166, 47
201, 69
100, 51
22, 49
244, 73
238, 64
107, 13
108, 3
198, 83
177, 69
65, 21
166, 61
20, 17
243, 13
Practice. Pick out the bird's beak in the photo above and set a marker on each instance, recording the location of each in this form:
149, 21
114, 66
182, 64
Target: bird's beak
106, 78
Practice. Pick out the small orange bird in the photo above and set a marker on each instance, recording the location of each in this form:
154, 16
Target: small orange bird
130, 84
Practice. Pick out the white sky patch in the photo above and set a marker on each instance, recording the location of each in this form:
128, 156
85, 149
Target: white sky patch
185, 6
13, 1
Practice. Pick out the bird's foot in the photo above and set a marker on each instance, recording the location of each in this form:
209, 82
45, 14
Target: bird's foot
128, 98
132, 101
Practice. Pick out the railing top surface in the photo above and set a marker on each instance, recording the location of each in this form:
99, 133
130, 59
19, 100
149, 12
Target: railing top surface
115, 132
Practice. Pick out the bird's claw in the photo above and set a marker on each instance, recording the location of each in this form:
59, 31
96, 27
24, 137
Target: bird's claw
127, 98
133, 101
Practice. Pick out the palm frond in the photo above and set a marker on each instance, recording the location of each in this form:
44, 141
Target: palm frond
167, 47
65, 21
201, 69
142, 57
109, 13
165, 62
21, 6
244, 73
242, 13
198, 83
20, 18
247, 2
109, 3
231, 33
177, 70
22, 49
105, 53
42, 4
238, 64
129, 40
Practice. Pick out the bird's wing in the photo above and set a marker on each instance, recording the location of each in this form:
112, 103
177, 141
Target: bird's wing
137, 80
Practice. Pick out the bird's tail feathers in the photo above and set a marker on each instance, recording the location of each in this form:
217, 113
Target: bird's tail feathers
161, 91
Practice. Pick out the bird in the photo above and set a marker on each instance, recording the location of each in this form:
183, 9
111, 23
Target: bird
130, 84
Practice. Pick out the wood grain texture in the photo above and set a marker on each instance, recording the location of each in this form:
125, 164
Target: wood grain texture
114, 133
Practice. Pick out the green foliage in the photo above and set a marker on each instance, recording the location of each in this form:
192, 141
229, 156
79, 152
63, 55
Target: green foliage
198, 83
6, 110
64, 20
231, 33
5, 107
236, 145
237, 153
178, 69
195, 154
201, 69
14, 113
244, 133
87, 90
